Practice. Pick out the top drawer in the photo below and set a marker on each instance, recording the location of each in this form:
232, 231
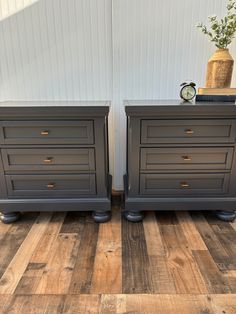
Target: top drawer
187, 131
47, 132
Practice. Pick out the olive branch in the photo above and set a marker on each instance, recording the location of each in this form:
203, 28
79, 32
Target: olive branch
221, 31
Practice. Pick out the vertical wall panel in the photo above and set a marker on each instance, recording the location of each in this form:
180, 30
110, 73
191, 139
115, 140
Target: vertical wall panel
57, 49
103, 49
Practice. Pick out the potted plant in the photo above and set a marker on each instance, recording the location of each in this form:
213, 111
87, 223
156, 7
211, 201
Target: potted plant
221, 32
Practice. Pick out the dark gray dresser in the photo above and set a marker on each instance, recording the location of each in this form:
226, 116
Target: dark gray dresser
180, 156
54, 157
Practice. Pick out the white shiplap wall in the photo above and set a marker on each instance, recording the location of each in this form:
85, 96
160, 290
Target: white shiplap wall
103, 49
11, 7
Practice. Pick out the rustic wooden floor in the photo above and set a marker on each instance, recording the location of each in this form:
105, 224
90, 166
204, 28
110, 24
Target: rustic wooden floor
65, 263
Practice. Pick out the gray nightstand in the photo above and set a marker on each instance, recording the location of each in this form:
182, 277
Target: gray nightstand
180, 156
54, 157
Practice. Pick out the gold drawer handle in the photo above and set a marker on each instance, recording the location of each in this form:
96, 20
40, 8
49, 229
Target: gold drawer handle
186, 158
188, 131
48, 160
184, 184
51, 185
44, 133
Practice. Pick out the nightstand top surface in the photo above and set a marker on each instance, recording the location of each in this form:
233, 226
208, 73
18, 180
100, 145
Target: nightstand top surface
53, 109
54, 104
177, 108
177, 102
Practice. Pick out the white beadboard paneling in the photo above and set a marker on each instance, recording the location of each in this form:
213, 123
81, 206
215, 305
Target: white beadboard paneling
233, 53
57, 49
102, 50
10, 7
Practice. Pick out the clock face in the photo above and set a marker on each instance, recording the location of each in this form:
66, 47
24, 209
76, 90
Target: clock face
188, 92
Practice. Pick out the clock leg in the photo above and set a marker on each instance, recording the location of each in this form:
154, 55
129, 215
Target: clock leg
133, 216
101, 216
9, 218
226, 215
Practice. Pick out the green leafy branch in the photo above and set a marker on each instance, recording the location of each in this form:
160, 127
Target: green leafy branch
221, 31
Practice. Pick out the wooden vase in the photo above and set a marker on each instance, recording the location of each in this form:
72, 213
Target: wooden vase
219, 69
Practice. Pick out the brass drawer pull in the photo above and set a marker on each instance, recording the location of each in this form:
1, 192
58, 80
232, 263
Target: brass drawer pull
186, 158
184, 184
51, 185
188, 131
44, 133
48, 160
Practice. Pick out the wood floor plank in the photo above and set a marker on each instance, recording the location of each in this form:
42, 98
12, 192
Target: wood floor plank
233, 224
57, 273
43, 250
180, 261
223, 304
30, 279
107, 271
168, 304
4, 228
214, 246
120, 304
214, 280
195, 241
34, 304
113, 304
166, 217
81, 280
20, 304
54, 304
136, 273
13, 238
5, 299
73, 222
153, 235
81, 304
161, 277
230, 273
227, 239
18, 265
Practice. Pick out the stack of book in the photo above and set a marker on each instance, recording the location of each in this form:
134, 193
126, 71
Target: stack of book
216, 94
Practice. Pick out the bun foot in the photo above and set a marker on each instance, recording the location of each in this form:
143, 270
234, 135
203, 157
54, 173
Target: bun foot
8, 218
226, 215
101, 216
133, 216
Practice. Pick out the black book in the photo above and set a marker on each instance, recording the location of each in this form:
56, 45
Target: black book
216, 98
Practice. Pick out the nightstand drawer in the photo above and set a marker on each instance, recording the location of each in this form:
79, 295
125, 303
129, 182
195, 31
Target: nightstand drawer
187, 131
48, 159
182, 184
47, 132
50, 185
215, 158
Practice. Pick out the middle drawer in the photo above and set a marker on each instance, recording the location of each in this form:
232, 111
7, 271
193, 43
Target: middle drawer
15, 159
215, 158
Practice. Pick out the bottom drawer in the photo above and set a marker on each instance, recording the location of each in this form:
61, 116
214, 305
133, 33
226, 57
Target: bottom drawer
50, 185
182, 184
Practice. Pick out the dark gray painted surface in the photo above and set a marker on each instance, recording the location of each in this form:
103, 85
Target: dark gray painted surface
54, 158
49, 159
60, 185
186, 158
46, 132
182, 131
184, 184
180, 156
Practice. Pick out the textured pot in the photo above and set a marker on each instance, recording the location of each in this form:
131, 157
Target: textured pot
219, 69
